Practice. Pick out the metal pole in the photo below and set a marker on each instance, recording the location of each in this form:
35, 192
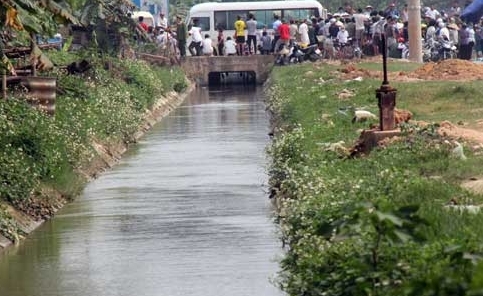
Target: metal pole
384, 59
414, 31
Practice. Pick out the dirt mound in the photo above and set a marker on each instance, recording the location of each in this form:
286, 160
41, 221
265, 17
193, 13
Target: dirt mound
448, 129
453, 69
351, 71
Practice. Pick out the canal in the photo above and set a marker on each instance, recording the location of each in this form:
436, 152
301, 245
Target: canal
185, 212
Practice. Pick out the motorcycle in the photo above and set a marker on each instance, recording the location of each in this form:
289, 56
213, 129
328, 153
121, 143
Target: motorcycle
294, 53
434, 51
300, 54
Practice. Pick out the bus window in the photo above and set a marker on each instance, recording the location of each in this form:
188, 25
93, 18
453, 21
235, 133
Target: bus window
292, 15
271, 17
259, 16
300, 14
203, 23
220, 20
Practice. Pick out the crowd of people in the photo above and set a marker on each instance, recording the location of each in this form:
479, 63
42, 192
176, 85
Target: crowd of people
362, 26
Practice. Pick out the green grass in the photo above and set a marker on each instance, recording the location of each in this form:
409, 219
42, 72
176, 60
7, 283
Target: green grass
322, 193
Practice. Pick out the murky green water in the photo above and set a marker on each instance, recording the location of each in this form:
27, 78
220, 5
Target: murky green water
184, 213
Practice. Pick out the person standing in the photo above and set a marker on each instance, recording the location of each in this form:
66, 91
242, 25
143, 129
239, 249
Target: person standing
221, 42
472, 41
162, 22
304, 33
360, 18
293, 31
392, 11
252, 34
276, 34
455, 10
342, 36
405, 14
181, 33
240, 27
196, 39
464, 40
284, 33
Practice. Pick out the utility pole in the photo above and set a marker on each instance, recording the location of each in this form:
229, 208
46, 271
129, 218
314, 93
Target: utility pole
414, 27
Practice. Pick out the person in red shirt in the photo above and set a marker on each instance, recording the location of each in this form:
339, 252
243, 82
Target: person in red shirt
142, 24
284, 32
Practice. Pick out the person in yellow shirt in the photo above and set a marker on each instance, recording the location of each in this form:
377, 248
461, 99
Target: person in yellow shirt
240, 27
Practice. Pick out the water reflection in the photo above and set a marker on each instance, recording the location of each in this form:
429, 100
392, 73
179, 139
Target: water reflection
184, 214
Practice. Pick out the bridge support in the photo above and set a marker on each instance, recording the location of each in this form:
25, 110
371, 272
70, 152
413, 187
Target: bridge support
199, 68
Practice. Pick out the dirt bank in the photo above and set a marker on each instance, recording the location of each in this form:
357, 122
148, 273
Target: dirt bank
37, 209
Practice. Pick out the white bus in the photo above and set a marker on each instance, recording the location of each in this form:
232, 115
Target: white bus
212, 16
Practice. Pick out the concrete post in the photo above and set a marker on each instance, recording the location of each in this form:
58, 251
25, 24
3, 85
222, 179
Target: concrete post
386, 95
414, 31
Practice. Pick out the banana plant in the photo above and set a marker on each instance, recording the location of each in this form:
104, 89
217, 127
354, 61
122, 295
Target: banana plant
28, 18
22, 20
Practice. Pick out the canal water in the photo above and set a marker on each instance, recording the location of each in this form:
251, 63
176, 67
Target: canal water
184, 213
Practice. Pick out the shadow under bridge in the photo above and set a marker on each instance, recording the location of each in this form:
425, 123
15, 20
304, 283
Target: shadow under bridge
206, 70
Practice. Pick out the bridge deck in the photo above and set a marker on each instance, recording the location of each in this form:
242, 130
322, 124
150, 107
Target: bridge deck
199, 68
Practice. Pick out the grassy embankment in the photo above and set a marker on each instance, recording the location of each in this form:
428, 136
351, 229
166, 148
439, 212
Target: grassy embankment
374, 224
45, 161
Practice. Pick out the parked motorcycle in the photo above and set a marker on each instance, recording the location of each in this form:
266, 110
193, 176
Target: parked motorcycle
300, 54
434, 51
294, 53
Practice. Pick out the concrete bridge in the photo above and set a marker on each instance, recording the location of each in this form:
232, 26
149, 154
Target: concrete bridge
205, 70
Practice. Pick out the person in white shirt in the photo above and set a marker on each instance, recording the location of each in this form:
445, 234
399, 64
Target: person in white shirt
293, 31
162, 21
455, 10
230, 46
433, 13
342, 35
472, 41
431, 31
251, 25
304, 33
207, 45
161, 38
443, 34
368, 10
196, 39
